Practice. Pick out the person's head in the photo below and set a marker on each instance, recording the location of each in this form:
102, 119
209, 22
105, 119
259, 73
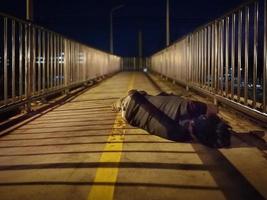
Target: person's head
132, 91
212, 131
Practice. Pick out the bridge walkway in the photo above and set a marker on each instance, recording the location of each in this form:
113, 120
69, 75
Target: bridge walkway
83, 150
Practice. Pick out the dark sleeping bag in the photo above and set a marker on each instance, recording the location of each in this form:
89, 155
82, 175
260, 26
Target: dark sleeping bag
143, 114
177, 108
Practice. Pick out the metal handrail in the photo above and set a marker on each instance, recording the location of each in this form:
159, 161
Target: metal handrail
35, 62
227, 13
222, 59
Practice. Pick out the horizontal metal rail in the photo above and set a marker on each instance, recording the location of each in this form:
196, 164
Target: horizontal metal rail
225, 59
36, 62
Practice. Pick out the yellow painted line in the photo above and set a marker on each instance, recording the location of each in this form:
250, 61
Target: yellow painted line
109, 175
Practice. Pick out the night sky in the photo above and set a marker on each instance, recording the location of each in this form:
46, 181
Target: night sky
87, 21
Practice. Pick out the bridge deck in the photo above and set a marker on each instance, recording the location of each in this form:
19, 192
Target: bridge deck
77, 149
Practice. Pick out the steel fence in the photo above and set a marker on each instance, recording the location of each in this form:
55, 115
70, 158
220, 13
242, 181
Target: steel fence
225, 59
35, 62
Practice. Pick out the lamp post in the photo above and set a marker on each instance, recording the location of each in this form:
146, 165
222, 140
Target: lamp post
29, 10
111, 26
167, 22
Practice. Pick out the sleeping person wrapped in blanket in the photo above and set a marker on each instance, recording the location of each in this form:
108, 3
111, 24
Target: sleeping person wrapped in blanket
174, 118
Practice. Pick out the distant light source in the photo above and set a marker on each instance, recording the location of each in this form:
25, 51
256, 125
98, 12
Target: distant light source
40, 60
145, 70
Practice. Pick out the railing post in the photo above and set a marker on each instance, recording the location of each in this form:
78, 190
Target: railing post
5, 62
209, 48
215, 74
265, 60
20, 61
233, 54
13, 60
45, 62
205, 58
246, 15
255, 53
28, 67
188, 68
227, 57
66, 65
239, 53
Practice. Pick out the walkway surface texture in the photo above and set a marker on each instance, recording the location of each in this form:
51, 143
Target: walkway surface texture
83, 150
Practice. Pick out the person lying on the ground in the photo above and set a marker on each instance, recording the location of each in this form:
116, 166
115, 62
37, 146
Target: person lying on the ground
174, 118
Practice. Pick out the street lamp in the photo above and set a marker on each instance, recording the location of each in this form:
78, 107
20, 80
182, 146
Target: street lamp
29, 10
168, 23
111, 26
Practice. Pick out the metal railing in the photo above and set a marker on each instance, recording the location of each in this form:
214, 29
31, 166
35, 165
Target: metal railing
35, 62
225, 59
